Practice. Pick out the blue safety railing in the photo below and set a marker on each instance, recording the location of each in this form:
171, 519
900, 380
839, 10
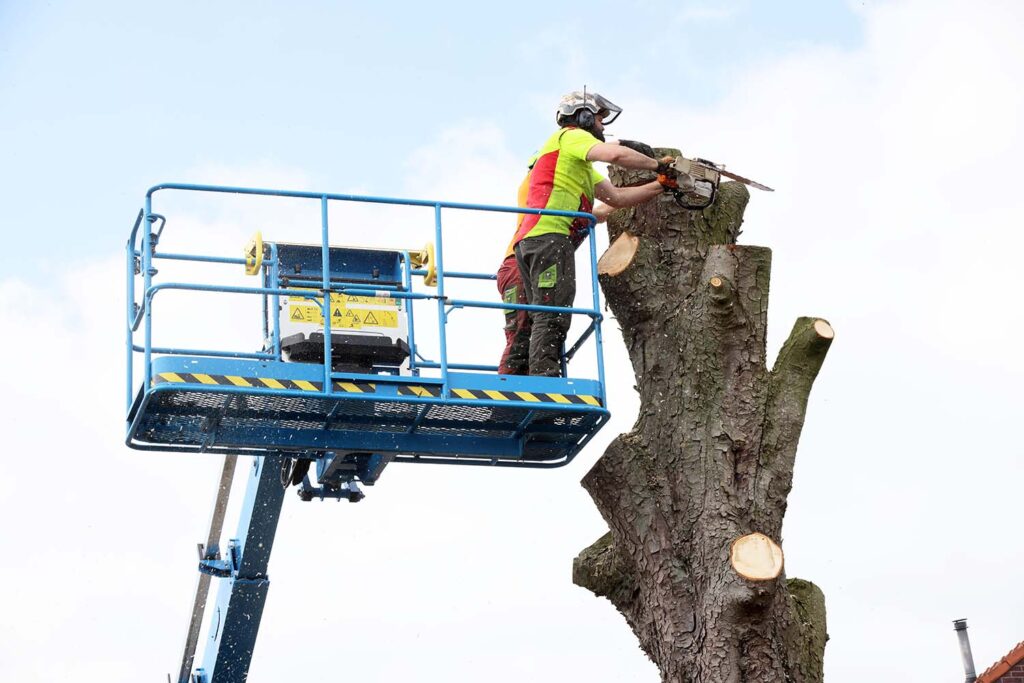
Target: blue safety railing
140, 263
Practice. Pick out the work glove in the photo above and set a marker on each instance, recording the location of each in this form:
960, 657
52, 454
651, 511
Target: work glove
641, 147
668, 184
666, 169
667, 174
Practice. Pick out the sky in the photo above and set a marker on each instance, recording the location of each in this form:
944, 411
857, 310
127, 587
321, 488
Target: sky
890, 131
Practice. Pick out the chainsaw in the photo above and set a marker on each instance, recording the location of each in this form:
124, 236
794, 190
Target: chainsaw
698, 182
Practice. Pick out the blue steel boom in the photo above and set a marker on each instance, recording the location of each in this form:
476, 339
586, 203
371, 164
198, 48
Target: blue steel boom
349, 401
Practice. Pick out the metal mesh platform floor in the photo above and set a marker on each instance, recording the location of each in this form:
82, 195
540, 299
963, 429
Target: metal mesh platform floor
260, 410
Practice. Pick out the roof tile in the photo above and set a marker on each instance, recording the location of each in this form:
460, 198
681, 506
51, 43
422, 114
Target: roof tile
994, 672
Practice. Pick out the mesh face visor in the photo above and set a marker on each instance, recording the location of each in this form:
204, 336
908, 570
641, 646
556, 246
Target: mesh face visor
600, 106
606, 105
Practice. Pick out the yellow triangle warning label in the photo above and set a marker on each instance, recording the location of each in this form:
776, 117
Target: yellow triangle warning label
370, 319
336, 313
297, 314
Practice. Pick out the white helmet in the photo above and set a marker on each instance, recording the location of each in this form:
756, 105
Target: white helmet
592, 102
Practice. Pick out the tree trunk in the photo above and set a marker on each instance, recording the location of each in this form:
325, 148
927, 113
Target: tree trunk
710, 458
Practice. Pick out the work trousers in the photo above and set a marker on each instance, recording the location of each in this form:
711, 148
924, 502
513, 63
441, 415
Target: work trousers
515, 360
548, 270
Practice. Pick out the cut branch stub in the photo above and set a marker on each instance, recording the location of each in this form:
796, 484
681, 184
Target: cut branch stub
721, 291
756, 557
619, 255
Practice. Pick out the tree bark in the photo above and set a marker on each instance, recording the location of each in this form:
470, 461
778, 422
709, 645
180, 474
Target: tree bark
710, 458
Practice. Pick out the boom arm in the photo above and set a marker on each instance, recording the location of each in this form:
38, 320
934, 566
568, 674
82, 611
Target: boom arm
242, 594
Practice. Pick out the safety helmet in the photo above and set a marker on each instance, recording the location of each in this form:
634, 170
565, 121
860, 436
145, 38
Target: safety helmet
591, 101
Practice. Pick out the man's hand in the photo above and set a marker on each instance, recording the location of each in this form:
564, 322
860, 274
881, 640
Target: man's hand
602, 211
641, 147
666, 169
668, 184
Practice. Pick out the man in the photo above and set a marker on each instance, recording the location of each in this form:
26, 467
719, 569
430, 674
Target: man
515, 359
563, 178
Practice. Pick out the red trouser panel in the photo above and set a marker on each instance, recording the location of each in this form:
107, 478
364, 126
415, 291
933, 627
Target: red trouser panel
515, 360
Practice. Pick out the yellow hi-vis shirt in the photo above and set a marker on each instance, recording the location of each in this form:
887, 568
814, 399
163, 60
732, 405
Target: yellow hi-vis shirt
561, 179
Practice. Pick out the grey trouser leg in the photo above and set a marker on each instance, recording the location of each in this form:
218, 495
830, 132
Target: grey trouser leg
548, 269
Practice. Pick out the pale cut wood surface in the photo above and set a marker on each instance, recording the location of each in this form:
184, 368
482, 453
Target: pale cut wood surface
619, 255
756, 557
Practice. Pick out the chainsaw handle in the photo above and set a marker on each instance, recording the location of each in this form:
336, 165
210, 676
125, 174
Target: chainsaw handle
680, 198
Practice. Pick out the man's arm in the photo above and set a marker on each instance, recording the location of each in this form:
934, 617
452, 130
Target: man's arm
621, 156
621, 197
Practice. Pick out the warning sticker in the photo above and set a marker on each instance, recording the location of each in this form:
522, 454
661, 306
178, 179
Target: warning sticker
352, 312
366, 318
305, 314
371, 300
352, 318
344, 300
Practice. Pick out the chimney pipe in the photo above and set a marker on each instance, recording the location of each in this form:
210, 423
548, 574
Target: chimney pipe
960, 626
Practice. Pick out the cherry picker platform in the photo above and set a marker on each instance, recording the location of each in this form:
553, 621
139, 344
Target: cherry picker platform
339, 380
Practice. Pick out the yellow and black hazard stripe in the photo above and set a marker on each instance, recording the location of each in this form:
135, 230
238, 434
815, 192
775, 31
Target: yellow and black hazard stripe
433, 391
528, 396
259, 382
426, 391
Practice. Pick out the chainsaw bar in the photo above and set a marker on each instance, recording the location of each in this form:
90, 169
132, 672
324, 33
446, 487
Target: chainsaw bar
688, 166
745, 181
